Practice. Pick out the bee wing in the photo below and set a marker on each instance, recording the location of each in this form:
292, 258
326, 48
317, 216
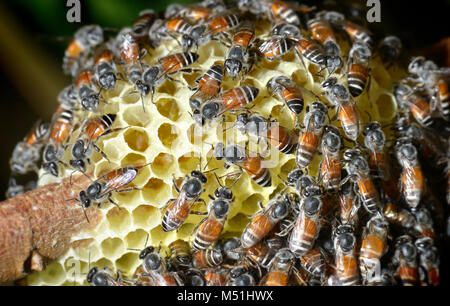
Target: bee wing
267, 45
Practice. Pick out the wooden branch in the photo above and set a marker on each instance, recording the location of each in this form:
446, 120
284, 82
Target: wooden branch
41, 222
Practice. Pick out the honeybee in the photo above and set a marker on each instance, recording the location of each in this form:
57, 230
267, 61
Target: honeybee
93, 129
238, 56
230, 100
412, 180
60, 130
358, 68
275, 47
215, 277
236, 155
339, 96
373, 246
398, 215
282, 11
105, 277
405, 258
314, 263
209, 229
208, 86
256, 125
178, 209
153, 270
390, 48
223, 23
142, 24
419, 107
207, 258
311, 51
85, 40
330, 166
240, 276
359, 172
346, 263
27, 153
263, 252
87, 90
280, 269
308, 142
105, 70
322, 32
263, 222
423, 227
356, 32
193, 277
192, 13
429, 261
286, 90
375, 141
349, 204
180, 254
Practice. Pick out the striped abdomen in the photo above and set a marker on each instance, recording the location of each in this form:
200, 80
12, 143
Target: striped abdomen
303, 235
260, 254
256, 230
244, 36
357, 33
307, 147
276, 278
357, 78
413, 185
369, 194
208, 258
347, 270
209, 84
280, 10
239, 96
260, 175
311, 51
281, 139
197, 13
330, 172
173, 63
163, 279
348, 115
444, 98
175, 215
62, 127
275, 47
178, 25
321, 31
408, 275
224, 23
293, 99
372, 247
71, 55
207, 233
378, 164
97, 126
421, 112
313, 262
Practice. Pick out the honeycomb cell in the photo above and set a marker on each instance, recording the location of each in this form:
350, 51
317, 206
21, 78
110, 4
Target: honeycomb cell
134, 116
119, 219
146, 216
54, 274
136, 239
167, 134
130, 97
300, 77
288, 166
238, 222
163, 165
128, 262
136, 139
102, 263
386, 108
157, 234
250, 205
168, 108
84, 253
112, 247
188, 162
133, 159
156, 191
168, 88
195, 134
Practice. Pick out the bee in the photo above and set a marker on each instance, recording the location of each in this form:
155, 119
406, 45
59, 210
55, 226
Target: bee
208, 86
180, 254
322, 32
412, 180
215, 277
308, 223
358, 71
346, 263
356, 32
130, 51
330, 166
375, 141
240, 276
398, 215
426, 74
256, 125
275, 47
390, 48
68, 97
26, 155
280, 269
178, 209
60, 131
153, 270
223, 23
286, 90
429, 261
193, 277
405, 258
93, 129
236, 155
207, 258
339, 96
102, 188
308, 142
192, 13
87, 90
314, 263
282, 11
263, 222
287, 30
419, 107
142, 24
85, 40
311, 51
105, 277
359, 172
373, 246
238, 56
263, 252
105, 70
423, 227
348, 204
209, 229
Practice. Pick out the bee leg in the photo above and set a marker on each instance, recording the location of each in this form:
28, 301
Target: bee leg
101, 152
127, 189
199, 213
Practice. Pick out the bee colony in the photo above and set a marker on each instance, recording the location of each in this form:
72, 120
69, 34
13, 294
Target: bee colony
347, 126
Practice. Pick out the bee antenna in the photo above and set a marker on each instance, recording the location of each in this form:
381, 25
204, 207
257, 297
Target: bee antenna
218, 181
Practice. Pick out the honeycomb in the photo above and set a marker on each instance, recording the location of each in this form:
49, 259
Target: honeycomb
164, 136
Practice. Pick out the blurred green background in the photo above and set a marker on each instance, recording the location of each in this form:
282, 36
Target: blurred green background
34, 34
